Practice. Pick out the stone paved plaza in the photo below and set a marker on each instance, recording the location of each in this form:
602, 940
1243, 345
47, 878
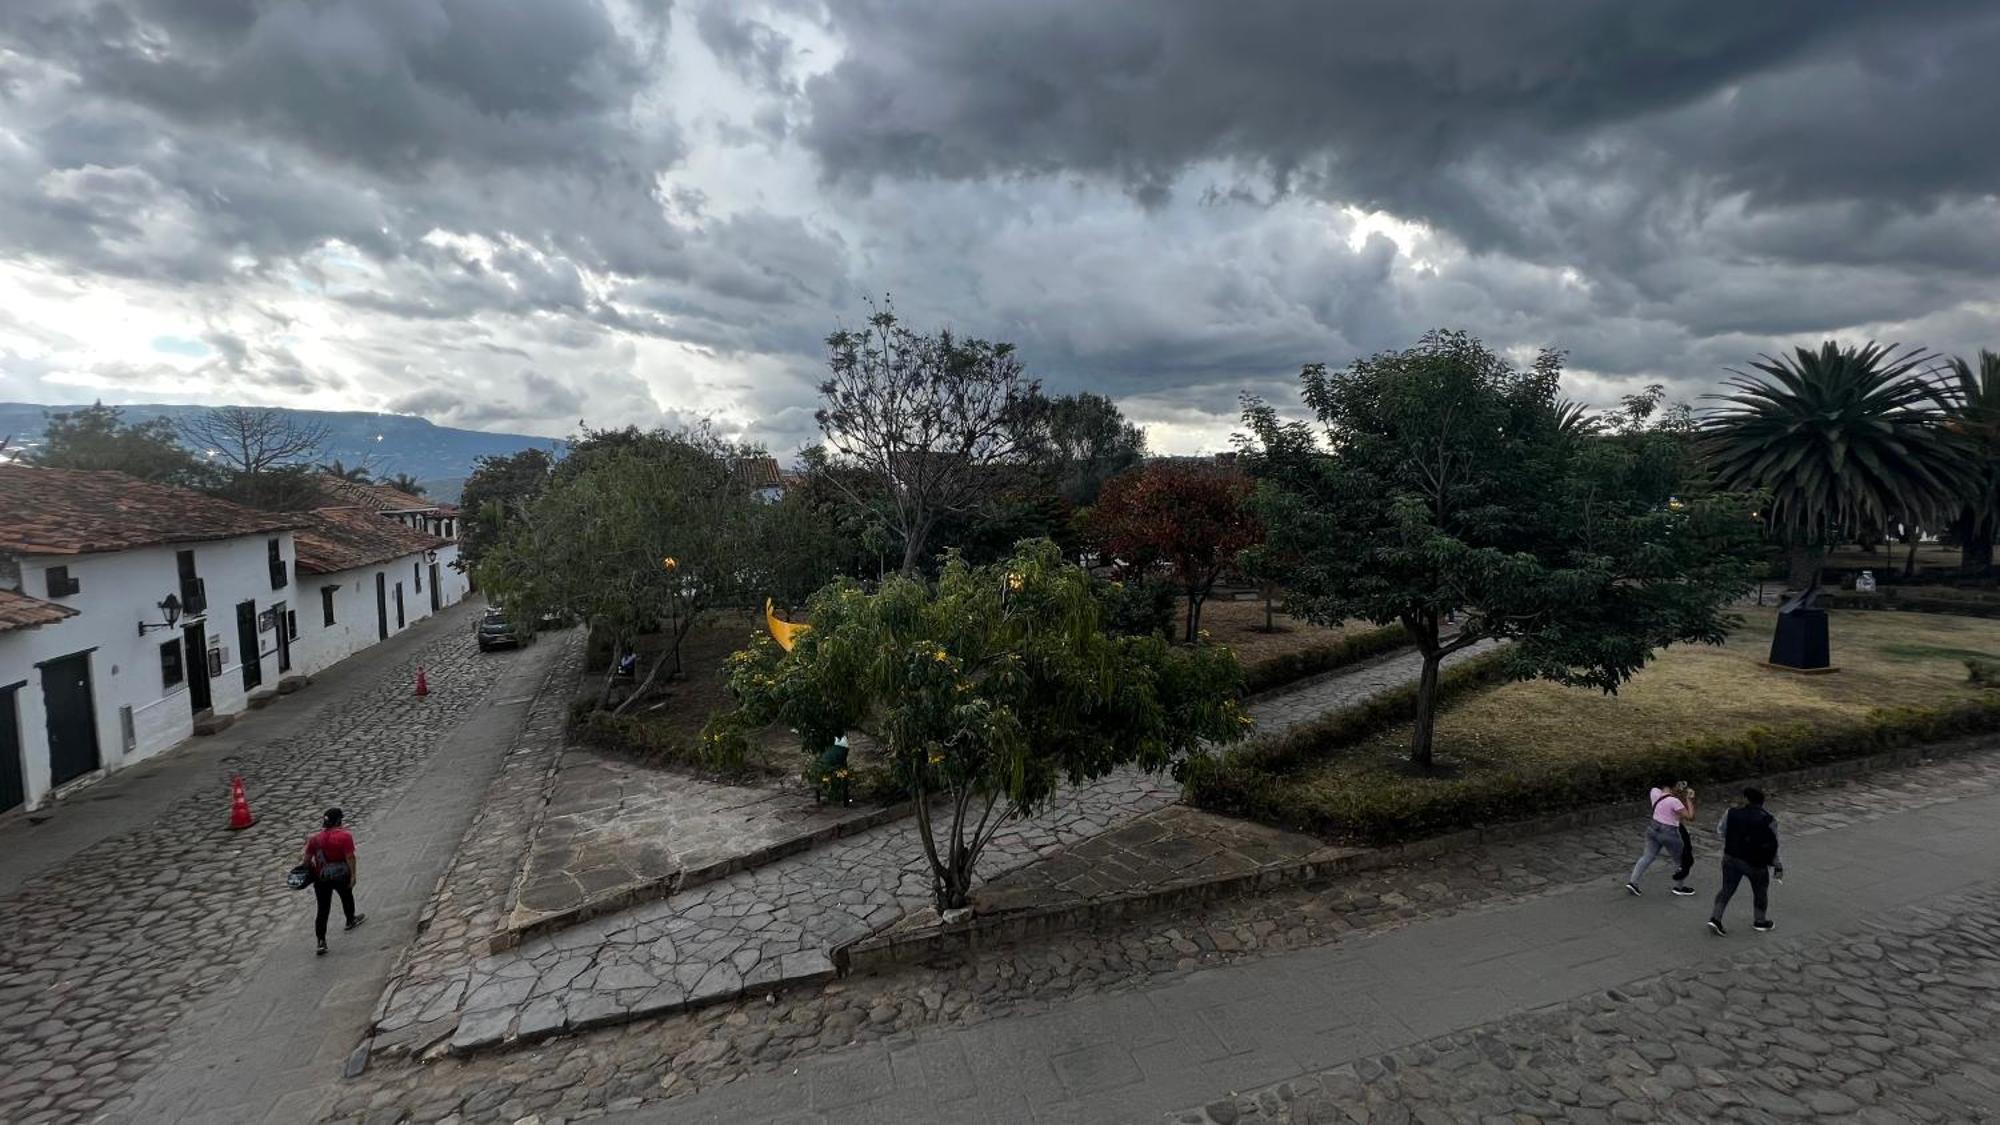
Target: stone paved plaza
780, 923
777, 1058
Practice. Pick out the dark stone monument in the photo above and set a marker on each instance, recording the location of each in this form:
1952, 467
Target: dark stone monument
1801, 639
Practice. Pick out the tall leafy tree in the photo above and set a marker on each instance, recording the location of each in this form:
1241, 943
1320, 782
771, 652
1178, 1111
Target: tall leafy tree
643, 539
1190, 517
1971, 401
404, 482
989, 689
1836, 438
1442, 483
499, 488
1089, 442
98, 437
931, 423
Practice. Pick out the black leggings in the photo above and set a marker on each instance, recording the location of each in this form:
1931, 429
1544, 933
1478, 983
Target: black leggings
325, 892
1687, 856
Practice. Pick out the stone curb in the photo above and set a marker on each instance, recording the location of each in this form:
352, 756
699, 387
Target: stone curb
667, 886
890, 948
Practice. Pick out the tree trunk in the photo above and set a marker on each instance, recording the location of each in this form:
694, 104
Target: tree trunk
639, 690
1804, 564
1193, 616
1975, 555
1270, 595
1427, 684
913, 547
1910, 561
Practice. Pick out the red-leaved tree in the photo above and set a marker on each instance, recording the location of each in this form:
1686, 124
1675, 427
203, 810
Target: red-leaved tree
1191, 517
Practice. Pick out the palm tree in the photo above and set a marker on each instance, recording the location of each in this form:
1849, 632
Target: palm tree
1971, 400
1836, 437
404, 482
334, 468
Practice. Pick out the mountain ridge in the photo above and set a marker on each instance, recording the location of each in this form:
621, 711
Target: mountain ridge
386, 444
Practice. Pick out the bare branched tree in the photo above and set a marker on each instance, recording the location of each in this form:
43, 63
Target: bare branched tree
253, 440
932, 422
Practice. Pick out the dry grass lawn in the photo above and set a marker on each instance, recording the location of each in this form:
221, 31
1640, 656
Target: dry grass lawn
1886, 660
1240, 625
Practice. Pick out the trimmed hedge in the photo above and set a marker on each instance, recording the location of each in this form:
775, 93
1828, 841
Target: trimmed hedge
1394, 809
654, 744
1975, 606
1985, 673
1295, 666
1313, 740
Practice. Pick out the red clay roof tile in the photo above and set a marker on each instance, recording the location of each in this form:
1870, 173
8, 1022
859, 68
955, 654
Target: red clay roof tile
19, 611
78, 512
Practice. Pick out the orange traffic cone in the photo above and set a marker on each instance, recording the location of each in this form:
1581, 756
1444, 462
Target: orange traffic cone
239, 806
423, 685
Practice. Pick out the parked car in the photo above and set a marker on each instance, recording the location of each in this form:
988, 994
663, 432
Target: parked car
497, 630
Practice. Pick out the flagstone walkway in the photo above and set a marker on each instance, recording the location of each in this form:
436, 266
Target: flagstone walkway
785, 922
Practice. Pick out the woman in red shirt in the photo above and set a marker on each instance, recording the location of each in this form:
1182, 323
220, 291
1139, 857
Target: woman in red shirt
330, 853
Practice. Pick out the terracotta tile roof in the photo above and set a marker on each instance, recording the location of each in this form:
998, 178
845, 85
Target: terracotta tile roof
19, 611
337, 492
758, 472
343, 538
78, 511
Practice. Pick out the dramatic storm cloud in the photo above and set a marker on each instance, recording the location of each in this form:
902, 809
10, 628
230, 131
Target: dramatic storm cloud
522, 213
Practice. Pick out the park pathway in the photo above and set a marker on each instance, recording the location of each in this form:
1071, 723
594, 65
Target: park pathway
781, 923
1877, 999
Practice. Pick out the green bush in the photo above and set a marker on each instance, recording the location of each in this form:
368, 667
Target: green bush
1145, 606
1391, 808
1985, 673
656, 744
1339, 652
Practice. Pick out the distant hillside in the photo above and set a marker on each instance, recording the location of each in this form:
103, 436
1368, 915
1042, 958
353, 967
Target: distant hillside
386, 443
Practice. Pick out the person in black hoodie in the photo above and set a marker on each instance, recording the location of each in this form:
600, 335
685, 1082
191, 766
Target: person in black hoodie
1749, 851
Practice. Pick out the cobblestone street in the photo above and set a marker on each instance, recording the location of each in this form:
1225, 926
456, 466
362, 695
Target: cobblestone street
1899, 1024
858, 1024
100, 956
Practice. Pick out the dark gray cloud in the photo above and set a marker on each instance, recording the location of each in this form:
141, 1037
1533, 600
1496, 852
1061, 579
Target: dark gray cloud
1370, 98
519, 213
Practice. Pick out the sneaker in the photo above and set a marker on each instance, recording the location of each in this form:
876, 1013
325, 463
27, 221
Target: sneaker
356, 920
1715, 927
1634, 888
321, 951
1683, 890
1764, 927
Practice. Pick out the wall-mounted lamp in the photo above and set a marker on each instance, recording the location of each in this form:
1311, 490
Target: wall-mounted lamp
170, 608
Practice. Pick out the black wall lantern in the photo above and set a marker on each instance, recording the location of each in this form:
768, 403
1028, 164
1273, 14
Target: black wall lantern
170, 608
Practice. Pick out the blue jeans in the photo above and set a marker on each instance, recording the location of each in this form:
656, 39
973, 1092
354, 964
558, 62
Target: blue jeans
1659, 838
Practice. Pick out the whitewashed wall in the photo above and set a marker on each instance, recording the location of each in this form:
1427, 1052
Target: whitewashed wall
320, 646
118, 591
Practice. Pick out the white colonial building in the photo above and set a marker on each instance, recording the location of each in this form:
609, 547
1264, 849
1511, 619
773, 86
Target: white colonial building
363, 579
132, 611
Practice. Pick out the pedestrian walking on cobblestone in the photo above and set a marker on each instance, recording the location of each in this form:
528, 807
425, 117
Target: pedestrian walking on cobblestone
1749, 851
1672, 806
330, 852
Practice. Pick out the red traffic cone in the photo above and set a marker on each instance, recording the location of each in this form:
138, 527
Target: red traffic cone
423, 685
239, 806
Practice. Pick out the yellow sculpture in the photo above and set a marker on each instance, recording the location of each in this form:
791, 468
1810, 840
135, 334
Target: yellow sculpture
786, 633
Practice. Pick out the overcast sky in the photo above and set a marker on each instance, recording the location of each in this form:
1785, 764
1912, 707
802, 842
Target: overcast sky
515, 214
